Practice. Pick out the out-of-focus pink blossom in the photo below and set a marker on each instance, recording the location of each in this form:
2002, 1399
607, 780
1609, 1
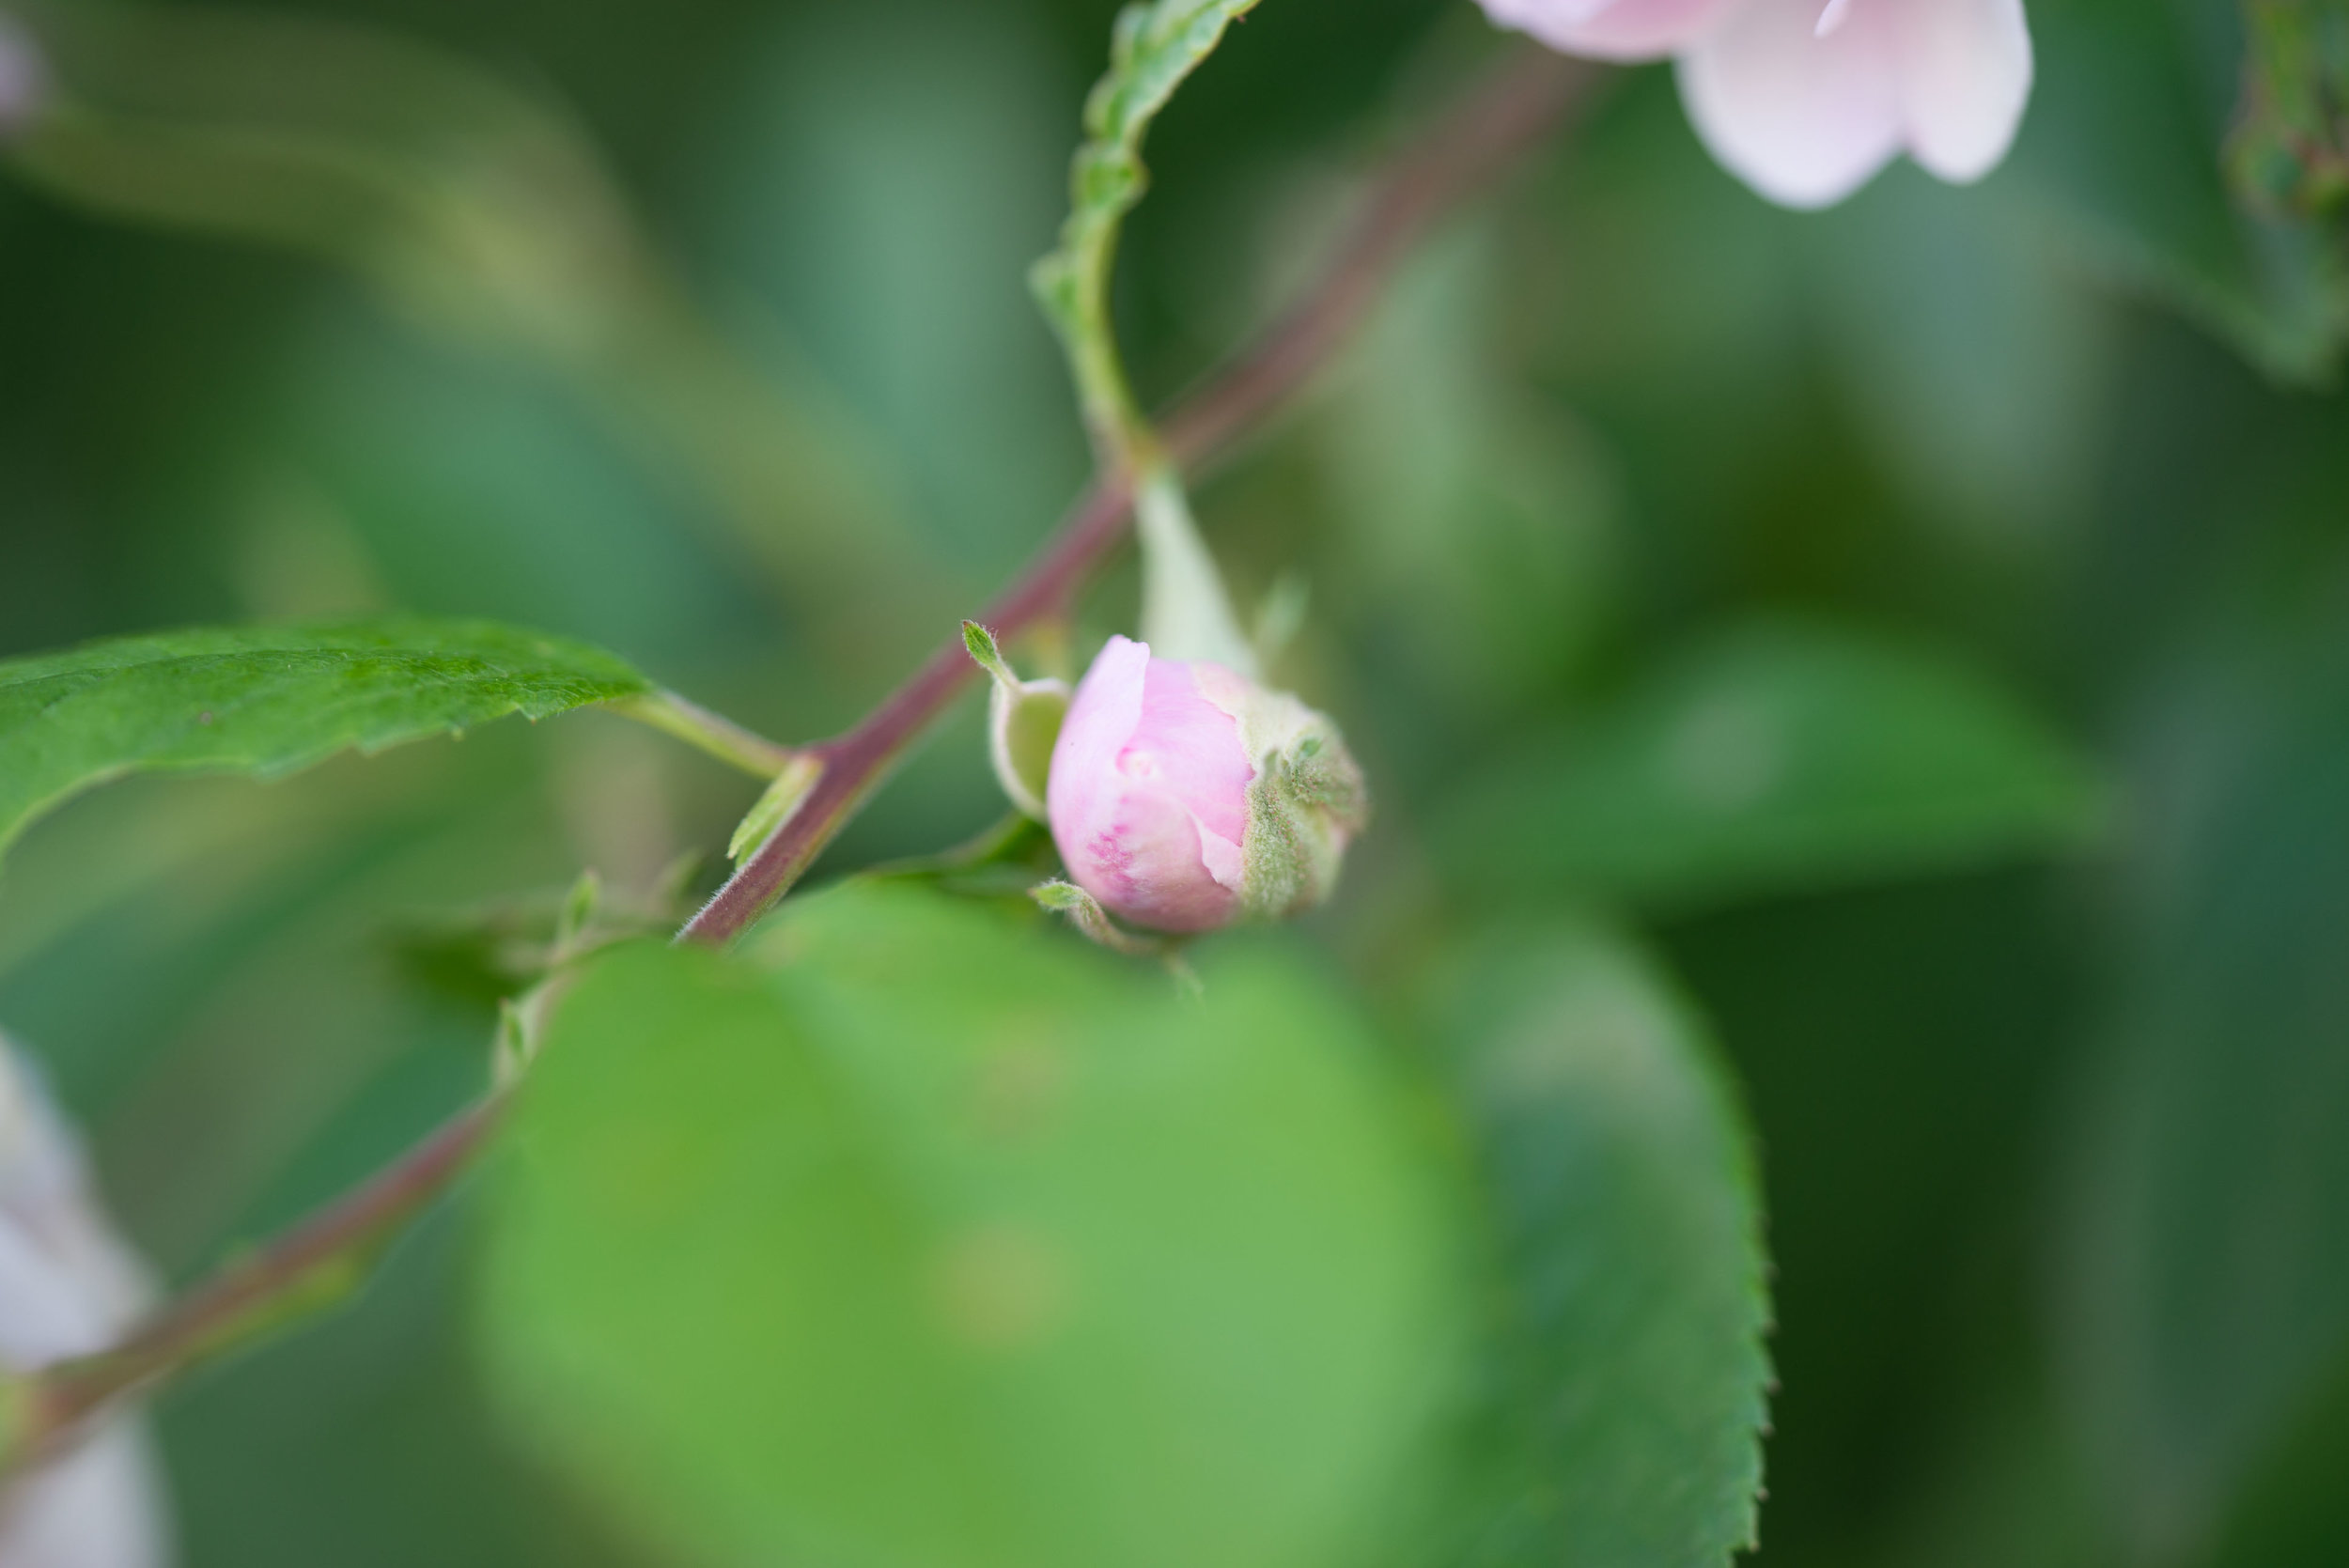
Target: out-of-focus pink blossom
1806, 99
67, 1287
1611, 29
23, 76
1182, 795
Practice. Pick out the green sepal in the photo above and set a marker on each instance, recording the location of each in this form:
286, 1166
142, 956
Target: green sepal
1086, 913
777, 806
1186, 612
1023, 721
578, 912
1307, 801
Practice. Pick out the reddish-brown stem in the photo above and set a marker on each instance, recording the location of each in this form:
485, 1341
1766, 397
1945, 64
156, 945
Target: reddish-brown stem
1498, 118
319, 1258
1530, 95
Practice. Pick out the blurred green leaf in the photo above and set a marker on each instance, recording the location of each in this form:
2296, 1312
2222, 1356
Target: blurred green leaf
1775, 757
882, 185
2129, 115
479, 209
2292, 1511
2290, 148
268, 701
1618, 1418
1973, 354
365, 1441
923, 1234
2205, 1276
472, 204
1480, 541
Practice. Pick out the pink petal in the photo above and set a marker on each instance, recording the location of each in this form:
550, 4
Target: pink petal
1610, 29
1143, 765
1189, 746
1965, 74
1145, 860
1102, 717
1804, 119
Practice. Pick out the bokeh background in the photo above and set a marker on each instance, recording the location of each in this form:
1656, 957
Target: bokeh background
1981, 556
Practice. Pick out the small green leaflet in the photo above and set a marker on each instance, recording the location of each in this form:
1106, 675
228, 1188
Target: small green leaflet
1156, 47
271, 699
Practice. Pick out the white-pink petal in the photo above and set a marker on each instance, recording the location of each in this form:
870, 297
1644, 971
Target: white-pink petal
67, 1286
1804, 119
99, 1505
23, 76
1965, 74
1611, 29
1805, 102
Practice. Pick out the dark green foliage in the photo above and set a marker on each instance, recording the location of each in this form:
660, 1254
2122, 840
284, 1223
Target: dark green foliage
2206, 1279
2290, 150
1773, 758
1619, 1409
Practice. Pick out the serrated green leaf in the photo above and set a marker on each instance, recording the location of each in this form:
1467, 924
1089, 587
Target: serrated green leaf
916, 1234
1618, 1413
269, 700
1157, 45
1779, 756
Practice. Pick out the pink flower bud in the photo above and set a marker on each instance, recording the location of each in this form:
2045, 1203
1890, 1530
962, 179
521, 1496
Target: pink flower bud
1184, 796
1806, 99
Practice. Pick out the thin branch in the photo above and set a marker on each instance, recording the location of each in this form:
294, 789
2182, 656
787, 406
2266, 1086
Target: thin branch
1497, 118
318, 1261
326, 1254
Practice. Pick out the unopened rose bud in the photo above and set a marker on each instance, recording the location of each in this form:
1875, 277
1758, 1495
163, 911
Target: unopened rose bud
67, 1287
1184, 796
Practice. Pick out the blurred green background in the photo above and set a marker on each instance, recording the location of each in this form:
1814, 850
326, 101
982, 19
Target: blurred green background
1978, 560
